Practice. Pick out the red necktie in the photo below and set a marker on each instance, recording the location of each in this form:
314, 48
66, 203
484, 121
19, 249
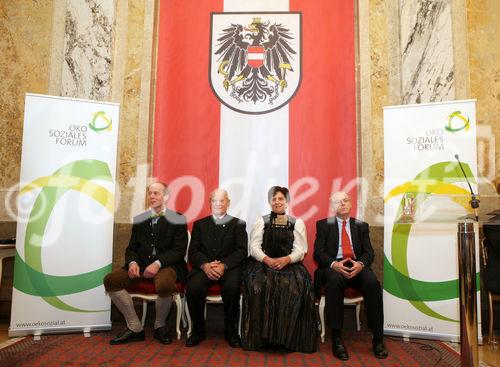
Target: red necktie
346, 244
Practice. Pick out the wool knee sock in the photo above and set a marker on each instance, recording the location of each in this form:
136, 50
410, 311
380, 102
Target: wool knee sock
163, 305
125, 304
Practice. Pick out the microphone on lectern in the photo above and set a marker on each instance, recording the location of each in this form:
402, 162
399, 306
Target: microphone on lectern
474, 203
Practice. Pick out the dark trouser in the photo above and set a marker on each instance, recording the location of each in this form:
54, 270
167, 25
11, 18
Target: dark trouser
164, 281
197, 286
366, 282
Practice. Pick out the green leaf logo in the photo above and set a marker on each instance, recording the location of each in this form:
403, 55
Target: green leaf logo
100, 122
457, 122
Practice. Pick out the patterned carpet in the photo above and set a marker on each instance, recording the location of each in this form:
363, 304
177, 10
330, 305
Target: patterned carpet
75, 350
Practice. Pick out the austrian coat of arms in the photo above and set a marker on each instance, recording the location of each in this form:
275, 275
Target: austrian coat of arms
255, 60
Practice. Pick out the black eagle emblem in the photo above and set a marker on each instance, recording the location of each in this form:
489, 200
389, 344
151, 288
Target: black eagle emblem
254, 60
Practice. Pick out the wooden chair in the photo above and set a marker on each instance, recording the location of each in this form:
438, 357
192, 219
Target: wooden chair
491, 297
146, 292
352, 297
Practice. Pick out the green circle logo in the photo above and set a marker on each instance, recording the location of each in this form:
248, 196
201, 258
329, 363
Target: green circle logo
100, 122
457, 122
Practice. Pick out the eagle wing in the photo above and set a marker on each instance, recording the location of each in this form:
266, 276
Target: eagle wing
232, 48
278, 49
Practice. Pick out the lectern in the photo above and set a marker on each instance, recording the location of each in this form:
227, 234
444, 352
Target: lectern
466, 237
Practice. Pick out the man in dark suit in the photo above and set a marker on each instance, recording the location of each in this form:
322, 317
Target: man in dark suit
156, 251
492, 271
217, 250
344, 254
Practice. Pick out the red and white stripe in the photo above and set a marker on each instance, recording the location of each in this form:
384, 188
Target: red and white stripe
308, 145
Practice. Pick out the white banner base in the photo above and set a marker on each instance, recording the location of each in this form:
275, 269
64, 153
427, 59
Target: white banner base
430, 336
84, 329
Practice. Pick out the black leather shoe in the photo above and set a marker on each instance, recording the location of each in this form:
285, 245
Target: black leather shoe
234, 341
379, 350
194, 340
339, 350
162, 335
128, 336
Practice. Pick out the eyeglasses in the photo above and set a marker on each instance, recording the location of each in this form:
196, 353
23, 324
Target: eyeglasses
343, 201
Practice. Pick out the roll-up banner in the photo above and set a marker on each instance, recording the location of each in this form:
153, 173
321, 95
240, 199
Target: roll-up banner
425, 194
64, 236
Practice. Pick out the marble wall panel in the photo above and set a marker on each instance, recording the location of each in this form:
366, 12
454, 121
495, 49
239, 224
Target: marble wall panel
25, 36
483, 30
427, 51
132, 85
406, 51
376, 39
88, 46
91, 49
106, 55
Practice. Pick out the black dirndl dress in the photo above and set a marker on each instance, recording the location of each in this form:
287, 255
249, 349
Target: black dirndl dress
278, 305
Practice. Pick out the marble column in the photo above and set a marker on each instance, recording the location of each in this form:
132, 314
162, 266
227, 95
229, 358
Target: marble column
483, 59
427, 72
87, 50
25, 28
105, 50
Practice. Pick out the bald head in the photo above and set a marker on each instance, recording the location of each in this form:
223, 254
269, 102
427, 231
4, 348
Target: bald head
219, 202
157, 195
341, 204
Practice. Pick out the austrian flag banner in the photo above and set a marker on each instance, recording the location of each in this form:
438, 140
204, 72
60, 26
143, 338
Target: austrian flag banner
252, 94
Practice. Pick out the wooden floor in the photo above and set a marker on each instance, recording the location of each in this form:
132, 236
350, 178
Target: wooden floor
489, 354
4, 328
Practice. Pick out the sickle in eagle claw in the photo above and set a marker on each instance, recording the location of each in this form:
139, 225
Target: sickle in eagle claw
222, 70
